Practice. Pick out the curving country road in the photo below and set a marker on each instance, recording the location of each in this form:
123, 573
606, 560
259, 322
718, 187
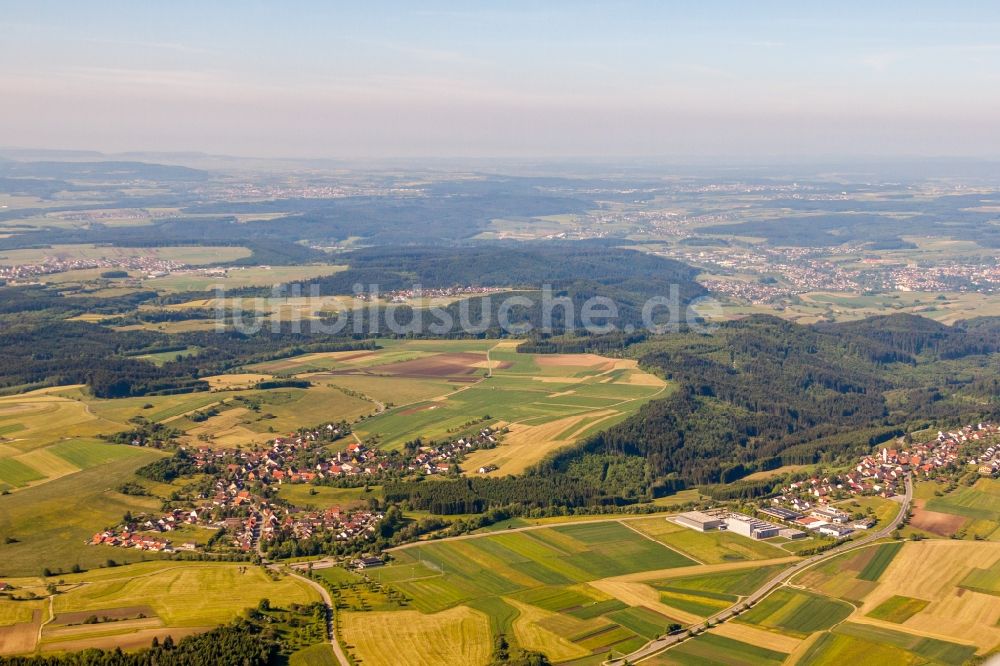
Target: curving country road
660, 644
338, 652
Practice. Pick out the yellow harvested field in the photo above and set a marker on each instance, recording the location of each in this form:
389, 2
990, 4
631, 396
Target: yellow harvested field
46, 417
573, 361
931, 570
532, 634
525, 444
235, 381
181, 594
454, 637
755, 636
20, 638
226, 429
128, 641
777, 471
76, 631
638, 594
48, 463
644, 379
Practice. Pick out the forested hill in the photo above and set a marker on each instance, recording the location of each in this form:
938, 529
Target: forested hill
519, 265
762, 391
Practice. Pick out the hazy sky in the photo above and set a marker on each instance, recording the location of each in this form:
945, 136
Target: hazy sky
375, 79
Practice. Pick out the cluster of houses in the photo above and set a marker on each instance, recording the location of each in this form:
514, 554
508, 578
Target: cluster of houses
882, 473
258, 521
808, 502
238, 499
439, 458
406, 295
302, 459
124, 538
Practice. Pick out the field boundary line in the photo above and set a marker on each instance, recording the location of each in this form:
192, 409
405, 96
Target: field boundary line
658, 542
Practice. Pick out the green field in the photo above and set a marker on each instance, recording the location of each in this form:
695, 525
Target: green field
533, 582
164, 357
898, 609
986, 581
880, 561
863, 644
708, 594
709, 649
182, 594
51, 523
323, 497
699, 603
434, 388
148, 599
314, 655
643, 621
796, 612
507, 563
980, 502
840, 576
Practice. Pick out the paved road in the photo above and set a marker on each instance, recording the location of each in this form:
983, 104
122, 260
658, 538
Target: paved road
338, 652
660, 644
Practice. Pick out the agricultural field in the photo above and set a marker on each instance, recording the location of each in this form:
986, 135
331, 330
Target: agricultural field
985, 579
49, 525
451, 637
42, 434
974, 510
130, 605
714, 648
433, 388
254, 416
707, 594
796, 613
850, 576
941, 589
245, 415
898, 609
540, 586
861, 644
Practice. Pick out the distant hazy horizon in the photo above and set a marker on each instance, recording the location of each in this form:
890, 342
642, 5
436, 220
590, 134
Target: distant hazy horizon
645, 80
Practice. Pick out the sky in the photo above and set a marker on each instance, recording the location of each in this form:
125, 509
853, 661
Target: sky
663, 79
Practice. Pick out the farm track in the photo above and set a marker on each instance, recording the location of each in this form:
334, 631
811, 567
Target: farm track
338, 651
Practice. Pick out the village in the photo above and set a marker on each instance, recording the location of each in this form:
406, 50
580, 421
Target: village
808, 503
149, 265
243, 497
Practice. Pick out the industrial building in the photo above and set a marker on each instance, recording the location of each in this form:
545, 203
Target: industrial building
700, 521
781, 513
751, 527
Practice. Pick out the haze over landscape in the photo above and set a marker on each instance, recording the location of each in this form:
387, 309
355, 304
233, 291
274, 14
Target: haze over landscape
306, 79
499, 334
